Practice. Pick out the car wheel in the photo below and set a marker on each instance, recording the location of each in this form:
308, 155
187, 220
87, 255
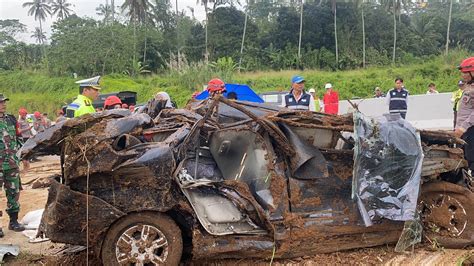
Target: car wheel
143, 239
447, 214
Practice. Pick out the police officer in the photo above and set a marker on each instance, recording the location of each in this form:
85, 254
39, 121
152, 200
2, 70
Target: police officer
465, 115
9, 163
397, 99
297, 98
89, 89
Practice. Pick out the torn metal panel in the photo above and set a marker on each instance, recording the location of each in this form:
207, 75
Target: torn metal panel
308, 162
60, 226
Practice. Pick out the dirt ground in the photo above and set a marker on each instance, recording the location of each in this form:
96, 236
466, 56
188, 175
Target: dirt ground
45, 253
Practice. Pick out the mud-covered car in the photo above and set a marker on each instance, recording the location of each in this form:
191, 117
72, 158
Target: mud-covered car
225, 179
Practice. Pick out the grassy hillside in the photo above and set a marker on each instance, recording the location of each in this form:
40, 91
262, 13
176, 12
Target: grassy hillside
38, 91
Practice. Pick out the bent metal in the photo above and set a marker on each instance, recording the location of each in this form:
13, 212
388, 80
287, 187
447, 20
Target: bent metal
225, 179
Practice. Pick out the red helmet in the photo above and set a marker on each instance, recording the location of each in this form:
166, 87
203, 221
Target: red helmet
37, 114
215, 85
467, 65
22, 111
111, 101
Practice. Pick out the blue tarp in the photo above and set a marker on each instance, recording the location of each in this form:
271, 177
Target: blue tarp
244, 93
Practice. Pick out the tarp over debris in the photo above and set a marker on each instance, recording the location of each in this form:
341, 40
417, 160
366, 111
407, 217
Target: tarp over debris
387, 168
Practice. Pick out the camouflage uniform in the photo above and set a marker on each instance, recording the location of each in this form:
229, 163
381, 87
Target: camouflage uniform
9, 162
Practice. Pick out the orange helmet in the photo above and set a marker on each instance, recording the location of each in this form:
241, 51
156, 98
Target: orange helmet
111, 101
215, 85
467, 65
22, 111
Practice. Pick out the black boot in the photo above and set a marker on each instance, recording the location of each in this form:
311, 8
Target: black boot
1, 233
14, 225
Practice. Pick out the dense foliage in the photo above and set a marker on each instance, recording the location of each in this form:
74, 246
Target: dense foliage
150, 36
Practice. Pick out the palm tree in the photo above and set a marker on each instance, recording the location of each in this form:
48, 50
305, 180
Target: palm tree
243, 34
40, 9
112, 9
334, 11
206, 9
449, 26
102, 11
360, 5
61, 8
395, 8
38, 35
177, 35
301, 28
137, 11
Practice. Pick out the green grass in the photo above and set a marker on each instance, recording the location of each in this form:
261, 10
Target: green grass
40, 92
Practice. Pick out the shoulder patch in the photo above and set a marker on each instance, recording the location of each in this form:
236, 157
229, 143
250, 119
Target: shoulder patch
73, 106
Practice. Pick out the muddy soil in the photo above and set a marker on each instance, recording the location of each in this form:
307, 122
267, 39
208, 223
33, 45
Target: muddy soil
45, 253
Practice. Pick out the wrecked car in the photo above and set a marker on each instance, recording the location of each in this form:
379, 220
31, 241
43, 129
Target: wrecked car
229, 179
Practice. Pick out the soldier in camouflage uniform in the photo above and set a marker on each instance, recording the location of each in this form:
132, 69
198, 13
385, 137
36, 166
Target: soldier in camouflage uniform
9, 163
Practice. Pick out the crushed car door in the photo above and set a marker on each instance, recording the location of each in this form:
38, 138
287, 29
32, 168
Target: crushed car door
243, 187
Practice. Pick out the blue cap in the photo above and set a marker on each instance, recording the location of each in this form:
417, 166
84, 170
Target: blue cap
297, 79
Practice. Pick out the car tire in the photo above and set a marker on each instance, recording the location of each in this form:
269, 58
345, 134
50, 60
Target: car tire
146, 237
447, 214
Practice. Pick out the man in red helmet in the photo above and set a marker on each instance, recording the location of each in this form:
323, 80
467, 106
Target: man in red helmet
38, 123
112, 102
465, 115
215, 86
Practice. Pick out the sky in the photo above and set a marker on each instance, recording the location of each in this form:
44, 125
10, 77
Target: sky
12, 9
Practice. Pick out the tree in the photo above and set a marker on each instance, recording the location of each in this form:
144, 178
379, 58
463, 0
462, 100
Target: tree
9, 28
104, 11
334, 11
61, 8
396, 8
40, 9
449, 25
243, 34
39, 36
301, 28
137, 11
360, 5
206, 9
226, 28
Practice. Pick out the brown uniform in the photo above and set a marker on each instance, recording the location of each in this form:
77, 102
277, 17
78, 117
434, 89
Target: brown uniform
465, 116
465, 120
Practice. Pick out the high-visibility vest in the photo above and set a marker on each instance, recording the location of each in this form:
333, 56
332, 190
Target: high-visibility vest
398, 101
